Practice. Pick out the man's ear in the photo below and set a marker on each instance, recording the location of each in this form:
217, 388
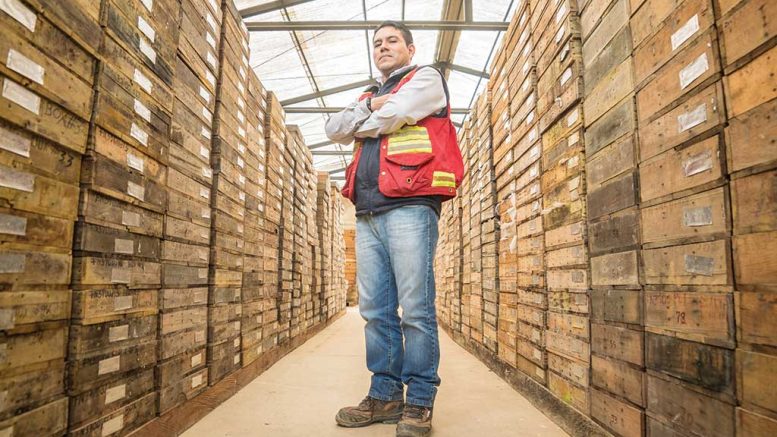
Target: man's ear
411, 49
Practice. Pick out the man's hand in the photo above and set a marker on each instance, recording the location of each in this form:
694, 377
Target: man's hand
377, 102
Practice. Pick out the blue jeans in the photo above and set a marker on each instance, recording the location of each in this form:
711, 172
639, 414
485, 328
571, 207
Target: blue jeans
394, 255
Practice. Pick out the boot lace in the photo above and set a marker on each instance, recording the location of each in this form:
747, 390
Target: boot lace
414, 412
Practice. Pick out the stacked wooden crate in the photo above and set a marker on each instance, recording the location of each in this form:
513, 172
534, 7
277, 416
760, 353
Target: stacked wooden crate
297, 230
465, 257
313, 308
684, 219
613, 223
474, 235
181, 371
286, 235
228, 199
323, 223
350, 266
255, 297
47, 80
336, 299
557, 50
747, 39
274, 131
121, 216
527, 246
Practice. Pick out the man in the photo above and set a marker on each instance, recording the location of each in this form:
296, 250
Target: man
406, 163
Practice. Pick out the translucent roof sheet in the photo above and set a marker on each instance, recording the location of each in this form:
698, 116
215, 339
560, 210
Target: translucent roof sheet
294, 64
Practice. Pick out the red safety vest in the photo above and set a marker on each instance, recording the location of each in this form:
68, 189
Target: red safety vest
419, 160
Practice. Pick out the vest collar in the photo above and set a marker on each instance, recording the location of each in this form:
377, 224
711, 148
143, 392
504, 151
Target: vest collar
402, 70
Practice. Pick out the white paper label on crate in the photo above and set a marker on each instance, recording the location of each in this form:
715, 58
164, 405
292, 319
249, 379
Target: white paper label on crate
196, 360
199, 336
696, 217
537, 354
211, 59
206, 213
240, 243
130, 218
142, 110
692, 118
241, 130
560, 34
534, 171
21, 96
214, 5
240, 162
241, 103
242, 197
525, 67
109, 365
16, 180
202, 273
139, 78
25, 66
207, 114
693, 71
236, 343
135, 162
698, 163
573, 139
566, 76
15, 143
200, 296
530, 117
243, 73
535, 151
573, 161
149, 4
205, 94
211, 40
118, 333
210, 78
245, 60
211, 21
241, 148
236, 360
204, 152
13, 225
121, 303
205, 134
240, 228
20, 13
196, 381
241, 117
572, 118
203, 254
574, 184
120, 276
205, 193
113, 394
147, 30
126, 247
136, 191
147, 50
241, 88
682, 34
700, 265
7, 321
113, 426
207, 172
204, 235
241, 179
139, 134
562, 11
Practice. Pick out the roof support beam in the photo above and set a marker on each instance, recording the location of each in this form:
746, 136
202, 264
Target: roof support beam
320, 145
334, 110
328, 92
462, 69
337, 170
264, 8
369, 25
447, 41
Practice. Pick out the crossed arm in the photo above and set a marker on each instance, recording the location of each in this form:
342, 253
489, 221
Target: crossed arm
420, 97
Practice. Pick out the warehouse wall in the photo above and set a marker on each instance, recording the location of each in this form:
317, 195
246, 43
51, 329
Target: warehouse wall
611, 251
165, 237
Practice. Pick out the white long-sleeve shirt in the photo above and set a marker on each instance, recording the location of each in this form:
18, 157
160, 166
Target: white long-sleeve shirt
420, 97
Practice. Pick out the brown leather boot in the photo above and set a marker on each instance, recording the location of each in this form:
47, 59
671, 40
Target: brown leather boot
416, 422
369, 411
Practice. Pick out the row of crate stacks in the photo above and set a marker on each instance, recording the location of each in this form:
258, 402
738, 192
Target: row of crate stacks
161, 227
631, 149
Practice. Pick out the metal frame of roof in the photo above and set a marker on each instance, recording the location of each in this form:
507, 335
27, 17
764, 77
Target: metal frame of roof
464, 33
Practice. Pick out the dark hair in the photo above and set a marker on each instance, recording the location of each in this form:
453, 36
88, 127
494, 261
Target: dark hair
400, 27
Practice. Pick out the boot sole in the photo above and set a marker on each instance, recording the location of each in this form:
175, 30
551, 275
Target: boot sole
389, 420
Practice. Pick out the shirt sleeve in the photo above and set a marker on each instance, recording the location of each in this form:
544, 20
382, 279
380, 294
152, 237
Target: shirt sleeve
420, 97
340, 127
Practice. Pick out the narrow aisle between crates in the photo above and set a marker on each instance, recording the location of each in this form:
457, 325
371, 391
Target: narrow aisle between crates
300, 395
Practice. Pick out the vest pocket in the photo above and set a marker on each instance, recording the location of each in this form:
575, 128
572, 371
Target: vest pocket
405, 173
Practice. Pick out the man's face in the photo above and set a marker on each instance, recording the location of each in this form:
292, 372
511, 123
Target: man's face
389, 50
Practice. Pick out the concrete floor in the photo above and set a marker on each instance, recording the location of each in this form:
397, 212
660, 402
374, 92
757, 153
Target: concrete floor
299, 395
